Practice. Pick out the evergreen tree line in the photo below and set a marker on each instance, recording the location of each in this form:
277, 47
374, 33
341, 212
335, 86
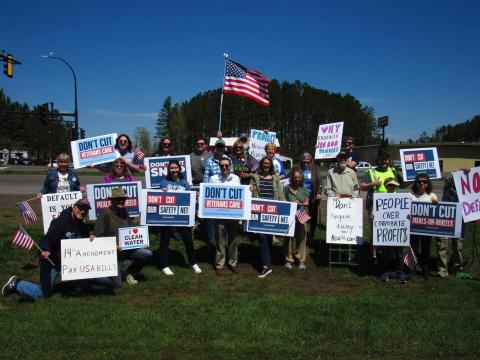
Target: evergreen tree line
468, 131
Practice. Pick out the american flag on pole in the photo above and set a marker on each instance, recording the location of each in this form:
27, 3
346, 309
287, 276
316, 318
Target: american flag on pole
27, 212
252, 163
22, 239
410, 260
302, 215
138, 155
246, 82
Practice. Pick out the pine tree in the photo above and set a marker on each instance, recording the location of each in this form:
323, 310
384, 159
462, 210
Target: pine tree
161, 127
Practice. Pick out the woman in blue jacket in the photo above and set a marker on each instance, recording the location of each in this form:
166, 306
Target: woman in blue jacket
61, 179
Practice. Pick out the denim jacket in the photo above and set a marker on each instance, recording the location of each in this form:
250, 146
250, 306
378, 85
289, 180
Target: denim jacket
51, 181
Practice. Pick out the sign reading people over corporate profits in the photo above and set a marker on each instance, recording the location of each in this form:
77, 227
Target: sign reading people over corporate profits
134, 237
157, 168
54, 204
99, 197
258, 140
219, 201
345, 221
271, 217
162, 208
441, 219
391, 226
329, 140
421, 160
94, 150
85, 259
468, 191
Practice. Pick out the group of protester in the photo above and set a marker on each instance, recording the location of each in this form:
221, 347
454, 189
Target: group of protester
305, 188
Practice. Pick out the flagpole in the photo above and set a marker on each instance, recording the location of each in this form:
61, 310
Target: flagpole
28, 200
38, 247
225, 55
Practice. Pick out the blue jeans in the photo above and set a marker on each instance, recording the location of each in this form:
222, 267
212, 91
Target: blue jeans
139, 257
34, 291
265, 244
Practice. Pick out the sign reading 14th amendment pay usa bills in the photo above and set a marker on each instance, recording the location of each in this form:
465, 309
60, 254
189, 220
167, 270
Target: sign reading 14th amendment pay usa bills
272, 217
94, 150
219, 201
85, 259
391, 226
172, 208
54, 204
344, 221
134, 237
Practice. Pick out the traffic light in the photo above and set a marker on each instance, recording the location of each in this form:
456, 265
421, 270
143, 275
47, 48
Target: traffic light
8, 66
82, 133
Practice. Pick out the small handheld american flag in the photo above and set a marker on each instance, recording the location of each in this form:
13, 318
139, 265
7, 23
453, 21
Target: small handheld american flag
139, 154
302, 215
22, 239
252, 163
27, 212
410, 260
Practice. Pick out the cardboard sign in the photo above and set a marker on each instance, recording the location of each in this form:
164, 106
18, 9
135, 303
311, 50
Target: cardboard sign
271, 217
162, 208
329, 140
135, 237
54, 204
468, 191
94, 150
258, 140
157, 168
98, 195
219, 201
344, 221
85, 259
391, 225
420, 161
441, 219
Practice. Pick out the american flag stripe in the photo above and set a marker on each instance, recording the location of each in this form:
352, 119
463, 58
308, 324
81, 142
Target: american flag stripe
22, 239
27, 212
410, 260
302, 215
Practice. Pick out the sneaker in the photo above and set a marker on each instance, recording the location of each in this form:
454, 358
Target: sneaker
265, 272
385, 277
131, 280
219, 271
235, 269
196, 269
167, 271
288, 265
442, 274
9, 286
302, 266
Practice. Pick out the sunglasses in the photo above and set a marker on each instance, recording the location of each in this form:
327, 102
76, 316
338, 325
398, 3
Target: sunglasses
348, 142
119, 166
166, 144
224, 166
422, 181
200, 144
123, 141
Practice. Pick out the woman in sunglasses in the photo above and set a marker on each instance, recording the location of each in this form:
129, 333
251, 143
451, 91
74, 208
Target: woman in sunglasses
241, 167
422, 191
119, 172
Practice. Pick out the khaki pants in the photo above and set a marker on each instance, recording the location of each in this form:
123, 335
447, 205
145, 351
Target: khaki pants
226, 237
456, 260
300, 240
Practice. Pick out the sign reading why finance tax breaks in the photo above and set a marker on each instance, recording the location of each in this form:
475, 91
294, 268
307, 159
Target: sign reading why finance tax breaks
94, 150
272, 217
219, 201
135, 237
258, 140
441, 219
421, 160
162, 208
85, 259
329, 140
99, 194
345, 221
54, 204
468, 191
157, 168
391, 226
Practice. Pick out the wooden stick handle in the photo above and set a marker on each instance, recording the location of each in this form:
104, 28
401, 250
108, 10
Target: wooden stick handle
38, 247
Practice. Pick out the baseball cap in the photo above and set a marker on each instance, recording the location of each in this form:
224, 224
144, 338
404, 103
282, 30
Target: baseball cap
83, 202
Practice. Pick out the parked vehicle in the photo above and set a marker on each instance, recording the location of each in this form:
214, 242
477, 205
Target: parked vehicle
363, 165
20, 161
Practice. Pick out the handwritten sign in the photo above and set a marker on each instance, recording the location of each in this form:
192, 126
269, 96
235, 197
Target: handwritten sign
135, 237
345, 221
99, 194
421, 160
85, 259
271, 217
441, 219
468, 190
157, 168
219, 201
94, 150
391, 226
161, 208
54, 204
258, 140
329, 140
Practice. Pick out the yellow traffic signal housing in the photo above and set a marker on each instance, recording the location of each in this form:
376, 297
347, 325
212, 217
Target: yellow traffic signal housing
8, 66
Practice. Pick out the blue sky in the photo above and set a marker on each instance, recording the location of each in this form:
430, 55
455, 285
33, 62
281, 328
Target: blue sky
416, 61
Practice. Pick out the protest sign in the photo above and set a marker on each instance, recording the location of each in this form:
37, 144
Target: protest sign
85, 259
329, 140
99, 194
345, 221
157, 168
441, 219
468, 191
162, 208
219, 201
258, 140
135, 237
271, 217
54, 204
94, 150
420, 161
391, 226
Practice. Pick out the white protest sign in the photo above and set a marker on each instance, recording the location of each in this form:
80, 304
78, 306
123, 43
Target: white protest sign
85, 259
135, 237
345, 221
329, 140
468, 191
54, 204
420, 161
94, 150
391, 224
258, 140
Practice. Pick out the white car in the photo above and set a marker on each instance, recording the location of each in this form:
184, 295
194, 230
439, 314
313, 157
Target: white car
363, 165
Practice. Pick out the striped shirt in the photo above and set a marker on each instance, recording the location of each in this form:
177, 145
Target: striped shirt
266, 188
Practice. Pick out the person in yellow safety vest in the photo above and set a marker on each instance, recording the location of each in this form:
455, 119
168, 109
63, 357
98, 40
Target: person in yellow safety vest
374, 181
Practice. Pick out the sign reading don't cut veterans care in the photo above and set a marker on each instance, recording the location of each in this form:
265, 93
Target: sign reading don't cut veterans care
93, 151
219, 201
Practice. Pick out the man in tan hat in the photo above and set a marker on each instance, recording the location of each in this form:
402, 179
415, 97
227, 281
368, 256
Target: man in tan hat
341, 180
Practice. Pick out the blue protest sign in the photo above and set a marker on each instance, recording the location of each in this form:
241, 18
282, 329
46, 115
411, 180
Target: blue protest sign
156, 169
421, 160
441, 219
271, 217
94, 150
219, 201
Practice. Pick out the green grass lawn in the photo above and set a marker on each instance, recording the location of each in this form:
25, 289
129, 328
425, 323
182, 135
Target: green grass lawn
317, 314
